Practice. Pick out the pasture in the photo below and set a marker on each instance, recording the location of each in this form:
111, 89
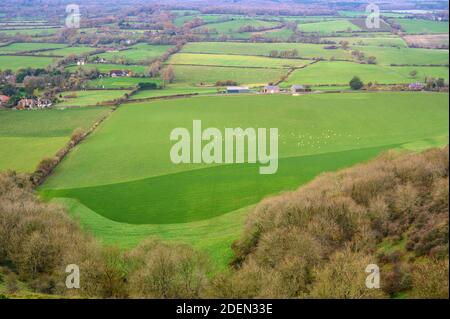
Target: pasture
15, 63
170, 91
198, 75
120, 82
26, 137
29, 47
234, 61
418, 26
340, 73
138, 53
327, 27
89, 97
137, 192
106, 67
305, 50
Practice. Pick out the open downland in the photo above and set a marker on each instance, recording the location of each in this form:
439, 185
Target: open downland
123, 191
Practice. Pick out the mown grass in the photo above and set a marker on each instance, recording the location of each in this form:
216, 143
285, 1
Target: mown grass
169, 91
106, 68
26, 137
120, 82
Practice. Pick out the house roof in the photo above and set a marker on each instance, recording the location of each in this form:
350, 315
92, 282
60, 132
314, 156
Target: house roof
4, 98
271, 87
298, 86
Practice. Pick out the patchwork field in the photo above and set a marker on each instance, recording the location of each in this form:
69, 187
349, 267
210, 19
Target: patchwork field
417, 26
138, 53
427, 40
26, 137
231, 28
122, 190
409, 56
189, 75
29, 47
89, 98
339, 73
328, 26
106, 68
120, 82
234, 61
305, 50
15, 63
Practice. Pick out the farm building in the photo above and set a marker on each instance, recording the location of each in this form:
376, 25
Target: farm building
238, 89
271, 89
44, 103
3, 100
119, 73
298, 89
417, 86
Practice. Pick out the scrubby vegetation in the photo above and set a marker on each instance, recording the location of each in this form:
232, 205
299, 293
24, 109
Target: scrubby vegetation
311, 243
317, 241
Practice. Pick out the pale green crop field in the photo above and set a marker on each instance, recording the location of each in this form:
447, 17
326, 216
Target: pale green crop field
340, 73
234, 61
305, 50
89, 97
170, 91
15, 63
417, 26
328, 26
76, 50
123, 190
197, 75
27, 137
31, 31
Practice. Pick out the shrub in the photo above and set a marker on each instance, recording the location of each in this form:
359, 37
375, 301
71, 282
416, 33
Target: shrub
356, 83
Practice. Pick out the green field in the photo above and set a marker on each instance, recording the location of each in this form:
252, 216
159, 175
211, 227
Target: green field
410, 56
328, 26
26, 137
120, 82
106, 68
197, 75
77, 50
15, 63
418, 26
305, 50
169, 91
89, 98
31, 31
29, 47
126, 191
339, 73
141, 52
231, 28
234, 61
379, 40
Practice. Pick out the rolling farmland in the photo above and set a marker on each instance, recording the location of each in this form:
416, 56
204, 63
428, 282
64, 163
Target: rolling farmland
315, 134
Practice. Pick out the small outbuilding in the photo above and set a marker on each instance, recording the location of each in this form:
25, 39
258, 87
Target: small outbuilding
271, 89
298, 89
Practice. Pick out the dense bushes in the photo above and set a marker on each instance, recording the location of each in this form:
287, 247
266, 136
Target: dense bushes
294, 244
